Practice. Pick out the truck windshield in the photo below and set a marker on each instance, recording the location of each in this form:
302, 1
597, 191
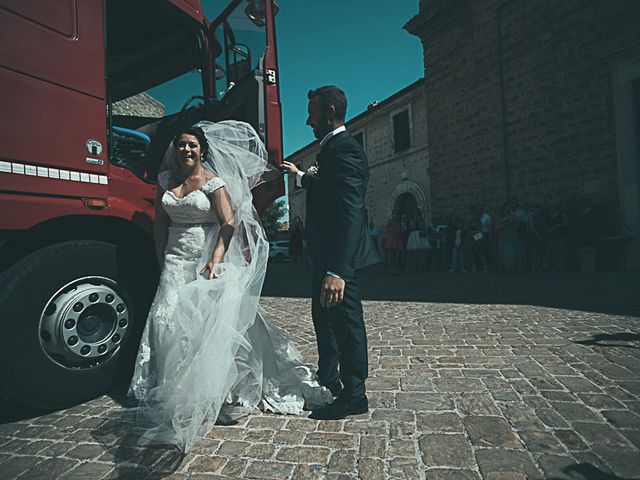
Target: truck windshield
243, 41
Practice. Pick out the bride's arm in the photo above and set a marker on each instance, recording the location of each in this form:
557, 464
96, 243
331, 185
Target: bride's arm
224, 211
160, 227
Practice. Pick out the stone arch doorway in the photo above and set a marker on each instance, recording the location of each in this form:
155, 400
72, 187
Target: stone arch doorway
408, 198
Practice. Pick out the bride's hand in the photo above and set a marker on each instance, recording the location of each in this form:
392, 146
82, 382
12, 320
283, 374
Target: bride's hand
209, 268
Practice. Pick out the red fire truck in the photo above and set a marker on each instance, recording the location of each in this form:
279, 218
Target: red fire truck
82, 136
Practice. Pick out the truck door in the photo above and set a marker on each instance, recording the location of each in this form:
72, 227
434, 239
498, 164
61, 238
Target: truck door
244, 78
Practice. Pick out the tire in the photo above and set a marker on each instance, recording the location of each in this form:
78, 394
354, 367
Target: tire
41, 365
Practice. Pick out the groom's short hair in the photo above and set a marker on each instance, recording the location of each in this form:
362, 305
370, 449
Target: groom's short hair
331, 95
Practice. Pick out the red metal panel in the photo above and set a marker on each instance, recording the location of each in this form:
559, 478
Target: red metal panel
57, 15
21, 212
49, 126
36, 47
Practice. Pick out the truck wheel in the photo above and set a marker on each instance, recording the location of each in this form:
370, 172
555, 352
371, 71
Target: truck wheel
72, 315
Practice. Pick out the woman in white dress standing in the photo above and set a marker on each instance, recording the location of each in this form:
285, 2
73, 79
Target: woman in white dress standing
207, 352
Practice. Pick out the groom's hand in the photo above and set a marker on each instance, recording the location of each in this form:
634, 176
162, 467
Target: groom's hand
332, 291
290, 167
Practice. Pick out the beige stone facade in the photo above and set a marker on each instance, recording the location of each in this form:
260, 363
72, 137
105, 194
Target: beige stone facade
397, 179
535, 98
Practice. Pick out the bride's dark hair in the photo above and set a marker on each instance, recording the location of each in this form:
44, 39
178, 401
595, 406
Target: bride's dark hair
196, 132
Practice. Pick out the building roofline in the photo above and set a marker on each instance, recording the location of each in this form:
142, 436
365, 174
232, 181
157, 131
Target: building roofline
368, 111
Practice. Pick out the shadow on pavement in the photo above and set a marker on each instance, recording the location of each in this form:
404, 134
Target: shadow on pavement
599, 338
120, 441
586, 471
600, 292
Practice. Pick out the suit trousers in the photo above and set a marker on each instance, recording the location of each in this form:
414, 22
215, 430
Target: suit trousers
342, 339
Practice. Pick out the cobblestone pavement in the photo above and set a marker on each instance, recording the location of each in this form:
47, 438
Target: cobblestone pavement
457, 391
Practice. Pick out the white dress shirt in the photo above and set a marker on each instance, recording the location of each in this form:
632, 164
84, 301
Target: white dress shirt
326, 138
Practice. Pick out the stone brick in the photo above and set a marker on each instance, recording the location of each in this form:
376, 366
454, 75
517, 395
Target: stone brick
342, 461
269, 470
49, 468
506, 464
90, 470
442, 450
424, 401
371, 446
451, 474
205, 463
304, 454
331, 440
490, 432
439, 422
371, 468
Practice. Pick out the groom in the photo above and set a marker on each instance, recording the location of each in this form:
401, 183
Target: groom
338, 244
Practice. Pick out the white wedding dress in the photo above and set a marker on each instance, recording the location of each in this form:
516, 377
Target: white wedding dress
207, 353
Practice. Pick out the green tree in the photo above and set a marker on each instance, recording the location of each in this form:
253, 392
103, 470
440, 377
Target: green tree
272, 217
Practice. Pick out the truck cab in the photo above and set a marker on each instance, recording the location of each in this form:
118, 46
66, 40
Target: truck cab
94, 91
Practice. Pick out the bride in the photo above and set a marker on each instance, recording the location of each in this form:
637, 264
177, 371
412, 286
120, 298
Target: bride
207, 353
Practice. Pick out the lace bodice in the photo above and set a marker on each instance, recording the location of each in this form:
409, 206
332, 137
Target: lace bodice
195, 207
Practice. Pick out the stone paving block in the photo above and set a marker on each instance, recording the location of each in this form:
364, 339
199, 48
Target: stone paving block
330, 426
421, 402
507, 464
404, 468
466, 385
304, 454
446, 450
234, 467
451, 474
393, 415
262, 451
331, 440
288, 437
371, 446
541, 442
622, 419
624, 462
551, 418
600, 433
259, 436
578, 384
401, 448
633, 436
371, 468
267, 422
342, 461
576, 412
476, 404
34, 447
439, 422
488, 431
303, 424
86, 451
49, 468
308, 472
16, 466
232, 447
570, 440
88, 471
269, 470
367, 427
206, 463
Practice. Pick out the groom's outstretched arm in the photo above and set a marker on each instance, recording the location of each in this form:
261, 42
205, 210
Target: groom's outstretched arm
349, 183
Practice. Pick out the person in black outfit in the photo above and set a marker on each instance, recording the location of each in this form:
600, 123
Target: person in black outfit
339, 243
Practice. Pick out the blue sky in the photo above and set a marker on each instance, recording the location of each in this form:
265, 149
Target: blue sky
358, 45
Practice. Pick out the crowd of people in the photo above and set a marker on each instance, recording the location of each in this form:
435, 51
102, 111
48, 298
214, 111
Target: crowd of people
513, 239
